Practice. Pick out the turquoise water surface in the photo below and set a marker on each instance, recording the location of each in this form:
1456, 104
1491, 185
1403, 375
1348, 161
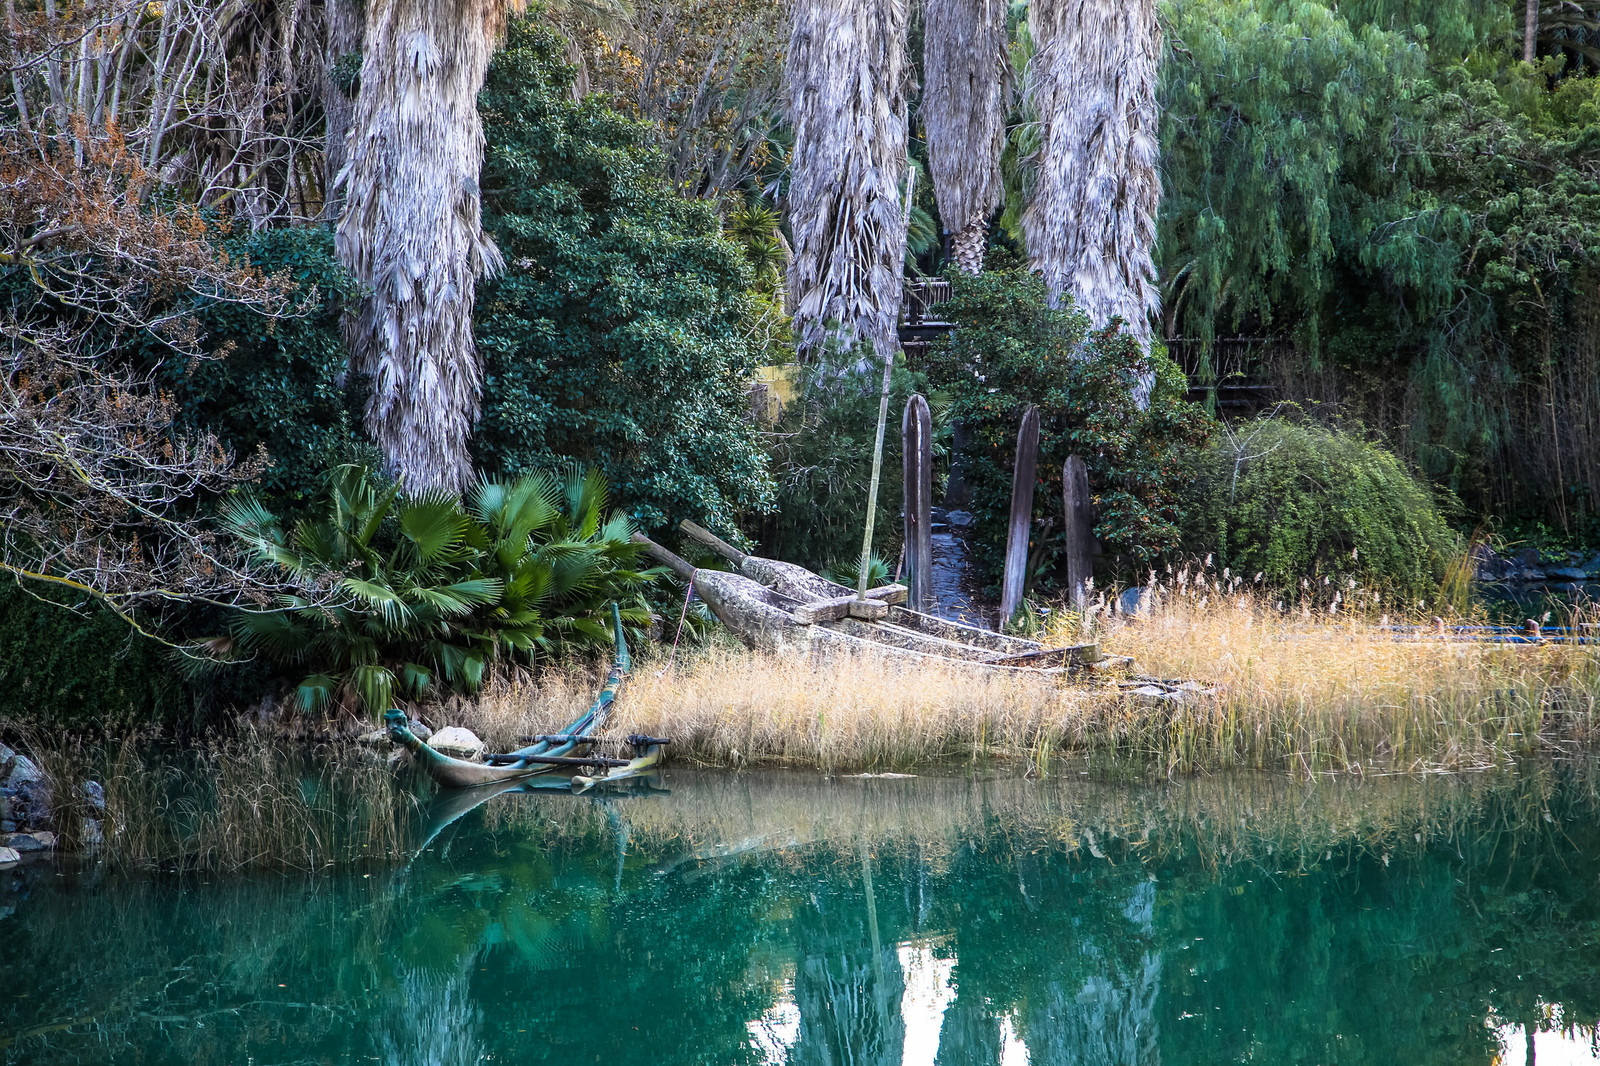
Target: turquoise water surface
772, 918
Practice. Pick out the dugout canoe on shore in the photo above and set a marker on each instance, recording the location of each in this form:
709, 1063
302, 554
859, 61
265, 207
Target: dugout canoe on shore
780, 607
570, 750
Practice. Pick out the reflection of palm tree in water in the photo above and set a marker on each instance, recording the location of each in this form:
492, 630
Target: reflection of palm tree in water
432, 1021
848, 985
969, 1034
1110, 1021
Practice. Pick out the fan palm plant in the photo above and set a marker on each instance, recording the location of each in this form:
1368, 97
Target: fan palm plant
847, 79
436, 591
967, 67
1091, 222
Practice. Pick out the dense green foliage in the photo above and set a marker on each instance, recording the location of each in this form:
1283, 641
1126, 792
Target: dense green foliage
1413, 214
822, 462
66, 664
621, 334
1012, 350
433, 591
1306, 507
276, 388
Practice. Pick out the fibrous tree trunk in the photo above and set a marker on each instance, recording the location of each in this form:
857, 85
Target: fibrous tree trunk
967, 72
410, 230
846, 73
1091, 223
1530, 31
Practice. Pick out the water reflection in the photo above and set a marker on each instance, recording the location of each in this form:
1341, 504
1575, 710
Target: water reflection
775, 919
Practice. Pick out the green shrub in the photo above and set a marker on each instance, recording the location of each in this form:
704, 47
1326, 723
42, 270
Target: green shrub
278, 385
1011, 349
434, 591
1298, 504
621, 334
822, 464
65, 668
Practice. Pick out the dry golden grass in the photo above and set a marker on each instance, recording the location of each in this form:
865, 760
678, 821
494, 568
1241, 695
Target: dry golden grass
1291, 692
725, 706
1322, 691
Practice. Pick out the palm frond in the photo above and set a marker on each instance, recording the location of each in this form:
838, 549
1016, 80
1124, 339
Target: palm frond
435, 526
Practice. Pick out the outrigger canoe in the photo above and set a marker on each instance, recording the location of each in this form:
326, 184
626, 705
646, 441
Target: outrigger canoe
776, 606
570, 749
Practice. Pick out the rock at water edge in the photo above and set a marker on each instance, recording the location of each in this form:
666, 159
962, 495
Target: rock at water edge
30, 841
458, 743
9, 856
22, 772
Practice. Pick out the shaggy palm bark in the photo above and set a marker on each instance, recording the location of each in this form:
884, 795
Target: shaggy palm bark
846, 72
1091, 224
967, 74
410, 230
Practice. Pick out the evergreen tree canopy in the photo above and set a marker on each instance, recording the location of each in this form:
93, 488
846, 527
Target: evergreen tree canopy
622, 333
1413, 211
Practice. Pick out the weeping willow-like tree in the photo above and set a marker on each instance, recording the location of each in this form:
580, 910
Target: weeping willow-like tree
846, 74
967, 74
1091, 223
410, 231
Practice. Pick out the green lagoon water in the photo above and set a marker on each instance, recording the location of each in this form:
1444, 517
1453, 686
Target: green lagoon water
787, 918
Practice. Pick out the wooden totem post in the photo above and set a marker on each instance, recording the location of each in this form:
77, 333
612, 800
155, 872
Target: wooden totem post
916, 439
1080, 529
1016, 573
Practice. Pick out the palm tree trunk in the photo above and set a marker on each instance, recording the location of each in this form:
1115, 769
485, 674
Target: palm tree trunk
1091, 224
410, 231
846, 73
1530, 31
967, 73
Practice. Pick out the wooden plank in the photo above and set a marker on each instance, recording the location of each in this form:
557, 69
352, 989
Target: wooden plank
831, 610
869, 610
823, 610
1016, 572
916, 437
894, 595
1080, 529
1074, 653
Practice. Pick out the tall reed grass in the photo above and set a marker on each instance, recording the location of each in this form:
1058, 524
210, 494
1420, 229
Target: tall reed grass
1299, 690
1335, 688
253, 801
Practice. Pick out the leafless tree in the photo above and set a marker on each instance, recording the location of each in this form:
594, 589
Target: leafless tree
99, 493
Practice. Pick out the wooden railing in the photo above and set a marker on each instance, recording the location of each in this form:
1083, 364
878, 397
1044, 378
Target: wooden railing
919, 298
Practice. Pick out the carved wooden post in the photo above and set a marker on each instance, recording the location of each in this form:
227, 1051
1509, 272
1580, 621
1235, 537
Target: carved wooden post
1080, 529
916, 440
1016, 574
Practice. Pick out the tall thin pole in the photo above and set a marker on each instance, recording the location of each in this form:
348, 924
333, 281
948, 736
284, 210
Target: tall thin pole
888, 348
877, 471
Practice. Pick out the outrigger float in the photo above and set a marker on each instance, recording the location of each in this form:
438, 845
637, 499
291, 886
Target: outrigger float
780, 607
568, 750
